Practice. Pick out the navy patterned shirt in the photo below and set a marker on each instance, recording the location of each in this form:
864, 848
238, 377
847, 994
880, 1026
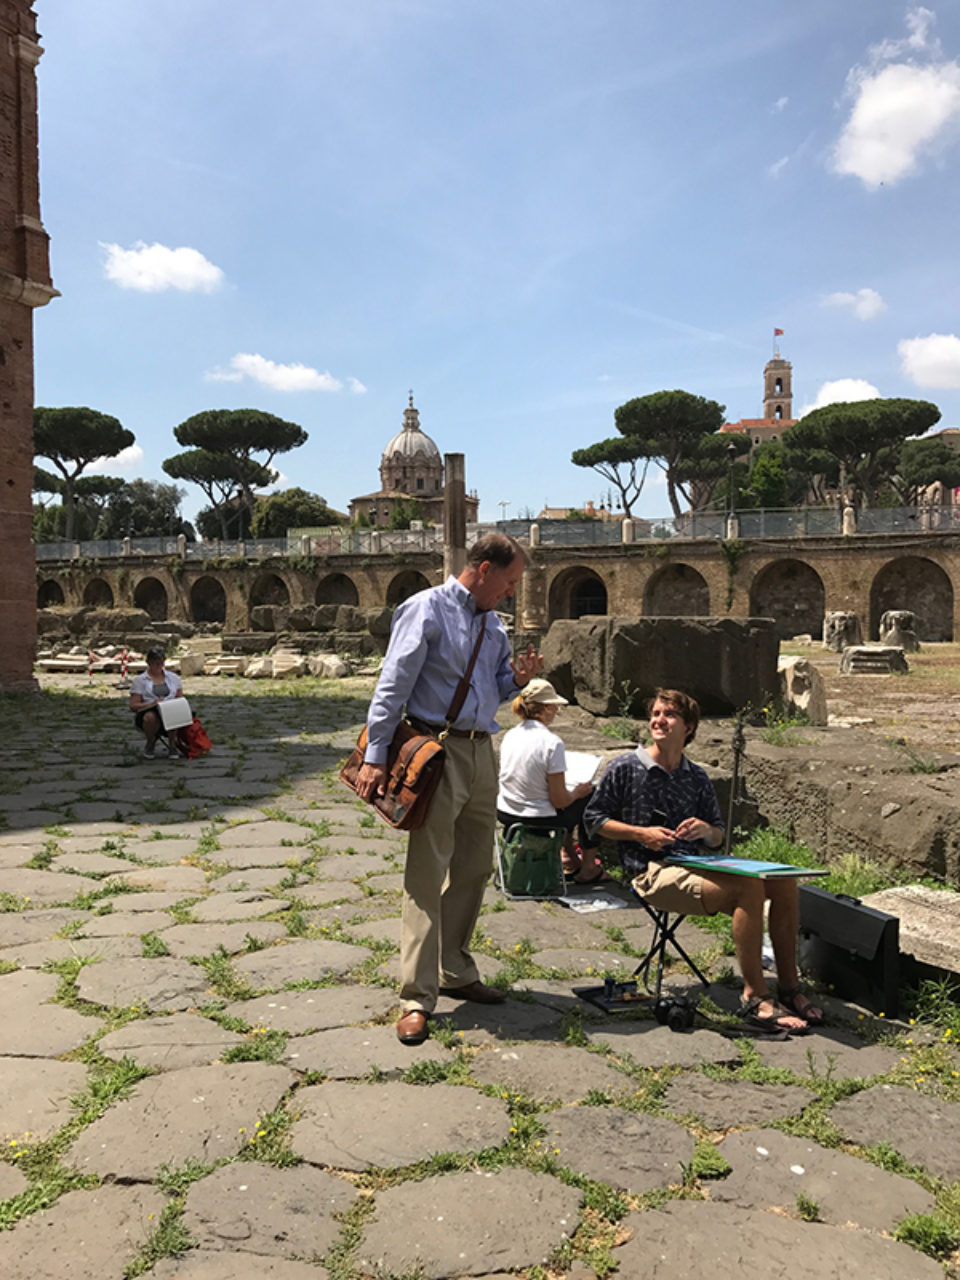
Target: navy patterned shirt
638, 791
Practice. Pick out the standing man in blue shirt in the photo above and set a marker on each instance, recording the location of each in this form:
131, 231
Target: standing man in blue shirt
655, 802
450, 857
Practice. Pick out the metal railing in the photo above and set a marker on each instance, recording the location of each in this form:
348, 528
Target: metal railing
795, 522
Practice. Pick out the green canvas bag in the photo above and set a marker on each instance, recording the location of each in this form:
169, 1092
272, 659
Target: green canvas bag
530, 862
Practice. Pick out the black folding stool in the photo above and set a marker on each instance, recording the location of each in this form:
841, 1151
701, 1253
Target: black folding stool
663, 936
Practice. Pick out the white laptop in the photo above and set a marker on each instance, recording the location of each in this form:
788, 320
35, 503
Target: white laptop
176, 713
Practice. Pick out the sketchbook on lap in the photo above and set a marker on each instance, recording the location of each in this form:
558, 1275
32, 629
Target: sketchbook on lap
175, 713
740, 866
581, 767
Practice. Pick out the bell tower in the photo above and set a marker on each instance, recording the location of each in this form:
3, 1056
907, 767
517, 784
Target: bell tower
778, 389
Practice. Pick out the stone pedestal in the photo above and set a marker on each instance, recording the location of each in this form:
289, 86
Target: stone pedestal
872, 660
899, 627
841, 629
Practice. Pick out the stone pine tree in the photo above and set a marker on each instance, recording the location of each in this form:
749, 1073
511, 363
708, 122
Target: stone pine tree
863, 440
228, 454
673, 429
620, 463
73, 438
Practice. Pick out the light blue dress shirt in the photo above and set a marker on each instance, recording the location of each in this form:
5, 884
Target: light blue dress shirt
431, 641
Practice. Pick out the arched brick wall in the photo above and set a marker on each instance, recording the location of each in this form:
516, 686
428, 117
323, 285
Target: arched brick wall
269, 588
151, 595
576, 592
793, 594
98, 593
676, 591
208, 600
337, 588
913, 582
405, 585
50, 593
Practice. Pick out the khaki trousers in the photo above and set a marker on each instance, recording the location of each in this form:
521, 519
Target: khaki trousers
449, 861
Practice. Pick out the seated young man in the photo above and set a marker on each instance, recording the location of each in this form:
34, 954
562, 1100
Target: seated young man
655, 801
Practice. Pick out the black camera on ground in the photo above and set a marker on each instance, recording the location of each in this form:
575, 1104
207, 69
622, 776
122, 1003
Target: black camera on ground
675, 1012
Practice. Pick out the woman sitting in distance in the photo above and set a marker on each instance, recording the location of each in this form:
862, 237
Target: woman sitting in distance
533, 787
147, 690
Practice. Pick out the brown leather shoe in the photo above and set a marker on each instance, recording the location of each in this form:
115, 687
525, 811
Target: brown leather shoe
413, 1027
478, 992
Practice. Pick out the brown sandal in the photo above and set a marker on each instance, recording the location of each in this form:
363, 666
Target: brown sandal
796, 1001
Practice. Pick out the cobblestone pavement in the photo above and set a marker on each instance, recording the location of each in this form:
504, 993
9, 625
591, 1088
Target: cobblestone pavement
199, 1075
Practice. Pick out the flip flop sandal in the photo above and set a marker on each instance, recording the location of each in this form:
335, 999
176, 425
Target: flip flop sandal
600, 878
810, 1012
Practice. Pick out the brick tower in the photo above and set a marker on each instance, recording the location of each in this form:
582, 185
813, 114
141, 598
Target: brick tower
24, 284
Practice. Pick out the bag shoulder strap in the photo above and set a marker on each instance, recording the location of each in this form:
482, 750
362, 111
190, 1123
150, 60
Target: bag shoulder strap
460, 696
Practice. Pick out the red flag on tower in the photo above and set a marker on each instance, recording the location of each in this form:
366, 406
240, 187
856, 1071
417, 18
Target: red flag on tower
778, 333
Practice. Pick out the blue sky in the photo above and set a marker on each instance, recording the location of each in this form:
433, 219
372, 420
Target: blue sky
527, 211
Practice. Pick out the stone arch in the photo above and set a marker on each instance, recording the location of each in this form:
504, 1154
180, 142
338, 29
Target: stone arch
913, 582
792, 593
50, 593
576, 592
208, 600
405, 585
98, 594
151, 595
269, 588
337, 588
676, 591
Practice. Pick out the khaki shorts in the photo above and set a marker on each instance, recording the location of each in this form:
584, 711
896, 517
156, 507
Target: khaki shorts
674, 889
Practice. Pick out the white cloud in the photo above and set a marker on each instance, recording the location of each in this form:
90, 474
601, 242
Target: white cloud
865, 303
278, 377
780, 104
127, 462
778, 166
842, 391
356, 386
151, 268
902, 110
933, 361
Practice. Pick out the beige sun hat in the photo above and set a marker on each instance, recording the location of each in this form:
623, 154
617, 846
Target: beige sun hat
541, 693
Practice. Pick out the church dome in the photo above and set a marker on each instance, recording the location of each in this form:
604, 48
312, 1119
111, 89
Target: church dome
411, 439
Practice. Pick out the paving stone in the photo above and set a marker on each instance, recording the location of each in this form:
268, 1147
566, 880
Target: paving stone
300, 1012
387, 929
558, 994
37, 926
550, 1073
833, 1052
33, 1028
491, 1024
246, 857
375, 847
185, 881
723, 1104
15, 855
230, 788
35, 1097
925, 1130
350, 1053
44, 888
37, 820
123, 922
34, 955
299, 959
320, 894
679, 1240
505, 929
265, 834
181, 1040
630, 1151
155, 985
160, 852
650, 1045
770, 1169
145, 900
390, 882
580, 960
352, 866
254, 878
258, 1209
85, 1235
91, 864
487, 967
469, 1223
202, 1264
202, 939
355, 1126
12, 1182
200, 1113
244, 904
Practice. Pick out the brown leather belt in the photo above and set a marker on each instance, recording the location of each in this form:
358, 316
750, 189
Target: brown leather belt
440, 730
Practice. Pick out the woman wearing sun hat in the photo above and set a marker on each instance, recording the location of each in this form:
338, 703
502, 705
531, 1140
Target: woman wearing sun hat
533, 788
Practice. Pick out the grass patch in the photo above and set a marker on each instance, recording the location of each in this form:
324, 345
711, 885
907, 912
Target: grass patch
224, 979
929, 1233
152, 946
170, 1240
270, 1141
262, 1046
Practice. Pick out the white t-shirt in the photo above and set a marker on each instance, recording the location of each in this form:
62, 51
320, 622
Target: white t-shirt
527, 754
143, 684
